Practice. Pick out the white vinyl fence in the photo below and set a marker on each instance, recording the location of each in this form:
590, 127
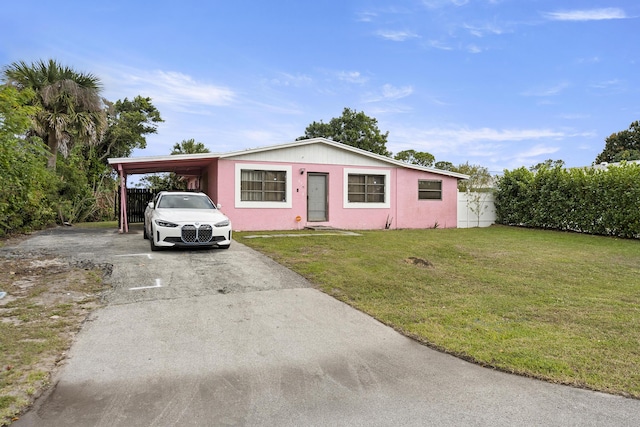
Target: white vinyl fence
475, 210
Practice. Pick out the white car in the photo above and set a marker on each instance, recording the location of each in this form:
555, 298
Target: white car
185, 219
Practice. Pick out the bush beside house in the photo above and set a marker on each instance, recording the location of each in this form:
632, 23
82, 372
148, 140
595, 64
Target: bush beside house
602, 201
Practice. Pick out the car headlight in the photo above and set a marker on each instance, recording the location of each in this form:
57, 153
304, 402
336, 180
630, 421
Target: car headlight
222, 223
162, 223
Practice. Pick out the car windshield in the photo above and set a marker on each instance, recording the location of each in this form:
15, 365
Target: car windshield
174, 201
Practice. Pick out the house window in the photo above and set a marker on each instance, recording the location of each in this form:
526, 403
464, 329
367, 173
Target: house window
263, 186
429, 189
366, 188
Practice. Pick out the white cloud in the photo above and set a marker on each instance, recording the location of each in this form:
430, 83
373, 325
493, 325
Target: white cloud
434, 4
587, 14
482, 141
574, 116
352, 77
174, 88
536, 151
366, 16
547, 91
295, 80
481, 31
436, 44
497, 148
607, 84
501, 135
377, 110
396, 36
392, 92
472, 48
591, 60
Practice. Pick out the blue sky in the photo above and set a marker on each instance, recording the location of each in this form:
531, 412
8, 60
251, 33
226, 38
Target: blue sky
499, 83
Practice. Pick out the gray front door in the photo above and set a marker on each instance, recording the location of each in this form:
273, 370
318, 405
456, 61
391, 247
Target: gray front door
317, 197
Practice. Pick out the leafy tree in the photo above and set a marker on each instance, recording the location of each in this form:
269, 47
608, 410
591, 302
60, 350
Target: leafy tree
76, 198
479, 177
26, 181
624, 145
70, 108
445, 166
128, 123
476, 187
627, 155
171, 181
352, 128
416, 157
189, 146
14, 111
547, 164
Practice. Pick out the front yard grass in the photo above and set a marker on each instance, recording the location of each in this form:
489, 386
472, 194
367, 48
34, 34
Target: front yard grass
561, 307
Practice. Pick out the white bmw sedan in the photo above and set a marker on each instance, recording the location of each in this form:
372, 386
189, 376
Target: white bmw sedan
185, 219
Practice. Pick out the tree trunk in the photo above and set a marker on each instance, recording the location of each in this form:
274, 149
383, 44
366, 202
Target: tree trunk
52, 143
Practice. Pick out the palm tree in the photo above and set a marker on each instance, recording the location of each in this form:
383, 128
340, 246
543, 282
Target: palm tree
189, 146
71, 109
172, 181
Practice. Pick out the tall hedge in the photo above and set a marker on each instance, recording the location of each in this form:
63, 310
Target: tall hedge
585, 200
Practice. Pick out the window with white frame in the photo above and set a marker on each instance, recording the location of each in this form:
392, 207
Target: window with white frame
263, 186
429, 189
366, 188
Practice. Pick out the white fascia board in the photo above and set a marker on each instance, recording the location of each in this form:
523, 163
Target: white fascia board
345, 147
163, 158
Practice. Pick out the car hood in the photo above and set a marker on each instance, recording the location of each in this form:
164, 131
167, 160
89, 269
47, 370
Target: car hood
190, 215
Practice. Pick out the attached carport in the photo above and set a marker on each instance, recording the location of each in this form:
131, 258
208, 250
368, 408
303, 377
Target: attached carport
191, 166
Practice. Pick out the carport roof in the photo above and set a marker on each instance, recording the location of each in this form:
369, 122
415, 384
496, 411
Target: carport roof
181, 164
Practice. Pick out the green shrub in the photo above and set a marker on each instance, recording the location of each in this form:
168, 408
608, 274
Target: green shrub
586, 200
26, 181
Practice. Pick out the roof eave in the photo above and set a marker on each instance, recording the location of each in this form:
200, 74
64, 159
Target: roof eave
347, 148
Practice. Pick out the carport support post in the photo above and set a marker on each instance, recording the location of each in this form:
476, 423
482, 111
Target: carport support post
124, 224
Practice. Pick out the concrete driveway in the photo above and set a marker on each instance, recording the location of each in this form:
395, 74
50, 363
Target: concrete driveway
228, 337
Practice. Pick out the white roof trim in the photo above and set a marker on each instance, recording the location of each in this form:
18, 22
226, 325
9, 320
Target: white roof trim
300, 143
347, 148
116, 160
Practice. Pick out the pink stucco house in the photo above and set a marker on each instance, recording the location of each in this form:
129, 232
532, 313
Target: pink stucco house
313, 182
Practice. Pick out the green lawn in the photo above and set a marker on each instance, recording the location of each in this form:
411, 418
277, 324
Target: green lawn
562, 307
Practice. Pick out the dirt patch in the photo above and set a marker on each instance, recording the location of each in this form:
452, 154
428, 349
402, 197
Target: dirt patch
45, 300
419, 262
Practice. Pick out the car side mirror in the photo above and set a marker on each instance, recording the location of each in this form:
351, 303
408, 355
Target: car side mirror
219, 206
150, 205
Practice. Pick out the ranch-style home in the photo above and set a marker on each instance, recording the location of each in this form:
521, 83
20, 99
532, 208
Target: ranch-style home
313, 182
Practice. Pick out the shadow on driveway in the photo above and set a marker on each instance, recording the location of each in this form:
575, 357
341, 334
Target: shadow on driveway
229, 337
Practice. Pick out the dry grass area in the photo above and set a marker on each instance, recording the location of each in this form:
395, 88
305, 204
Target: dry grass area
46, 300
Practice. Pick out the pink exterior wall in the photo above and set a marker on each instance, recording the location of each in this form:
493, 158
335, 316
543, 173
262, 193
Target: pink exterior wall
405, 210
414, 213
213, 181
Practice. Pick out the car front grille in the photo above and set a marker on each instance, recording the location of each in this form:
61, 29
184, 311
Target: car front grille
193, 234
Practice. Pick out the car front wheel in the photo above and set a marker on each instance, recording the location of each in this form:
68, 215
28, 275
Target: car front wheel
144, 232
152, 244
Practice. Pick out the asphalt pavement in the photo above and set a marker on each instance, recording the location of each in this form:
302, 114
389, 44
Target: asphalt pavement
231, 338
